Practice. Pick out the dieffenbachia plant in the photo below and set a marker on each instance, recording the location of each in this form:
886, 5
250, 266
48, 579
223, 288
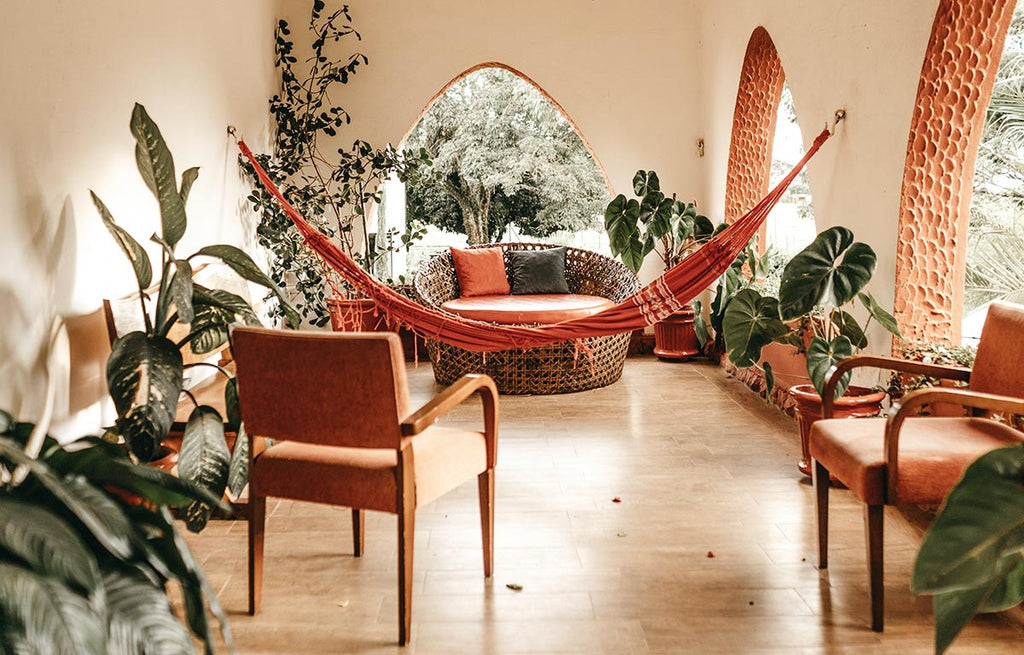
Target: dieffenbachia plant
145, 372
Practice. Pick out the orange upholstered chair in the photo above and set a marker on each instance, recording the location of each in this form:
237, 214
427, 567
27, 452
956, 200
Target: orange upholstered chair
338, 405
911, 459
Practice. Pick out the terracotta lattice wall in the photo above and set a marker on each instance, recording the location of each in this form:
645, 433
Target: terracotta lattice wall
956, 84
753, 126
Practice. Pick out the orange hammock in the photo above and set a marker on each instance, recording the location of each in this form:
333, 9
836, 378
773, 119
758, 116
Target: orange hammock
656, 301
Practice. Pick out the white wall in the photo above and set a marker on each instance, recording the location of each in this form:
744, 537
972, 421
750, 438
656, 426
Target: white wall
864, 56
71, 72
643, 82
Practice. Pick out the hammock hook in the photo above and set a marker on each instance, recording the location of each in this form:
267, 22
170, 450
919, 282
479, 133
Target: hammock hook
232, 131
840, 115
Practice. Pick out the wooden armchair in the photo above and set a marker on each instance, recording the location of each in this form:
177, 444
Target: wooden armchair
338, 404
911, 459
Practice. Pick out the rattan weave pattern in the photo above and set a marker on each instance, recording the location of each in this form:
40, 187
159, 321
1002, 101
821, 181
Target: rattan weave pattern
556, 368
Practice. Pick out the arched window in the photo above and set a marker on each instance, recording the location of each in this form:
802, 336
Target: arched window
790, 226
994, 265
956, 83
509, 165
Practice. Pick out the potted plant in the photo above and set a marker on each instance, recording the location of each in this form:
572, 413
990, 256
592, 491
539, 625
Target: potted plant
931, 353
810, 313
145, 371
89, 551
673, 229
335, 191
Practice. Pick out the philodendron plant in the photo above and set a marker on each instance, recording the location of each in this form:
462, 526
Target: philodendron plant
654, 223
809, 312
972, 558
145, 372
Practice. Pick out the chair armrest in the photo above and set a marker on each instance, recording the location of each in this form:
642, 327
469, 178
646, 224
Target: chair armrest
891, 363
913, 401
451, 397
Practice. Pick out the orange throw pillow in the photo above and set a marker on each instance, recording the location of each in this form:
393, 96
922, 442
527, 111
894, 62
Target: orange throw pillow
481, 272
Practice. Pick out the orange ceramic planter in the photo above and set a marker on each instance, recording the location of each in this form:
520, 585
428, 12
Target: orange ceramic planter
675, 338
858, 402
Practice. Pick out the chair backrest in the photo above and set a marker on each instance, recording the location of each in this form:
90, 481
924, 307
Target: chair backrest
998, 365
340, 389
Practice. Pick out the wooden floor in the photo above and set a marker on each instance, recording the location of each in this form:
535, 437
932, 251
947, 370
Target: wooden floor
710, 550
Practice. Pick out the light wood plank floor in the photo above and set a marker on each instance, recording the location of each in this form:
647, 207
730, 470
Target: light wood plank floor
702, 468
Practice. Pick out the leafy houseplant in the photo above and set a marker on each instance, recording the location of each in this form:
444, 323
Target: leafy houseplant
88, 548
972, 557
673, 229
809, 311
145, 371
929, 353
809, 314
333, 191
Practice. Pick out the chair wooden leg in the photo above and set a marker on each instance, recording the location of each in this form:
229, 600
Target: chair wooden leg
873, 523
821, 482
406, 535
485, 483
257, 522
358, 531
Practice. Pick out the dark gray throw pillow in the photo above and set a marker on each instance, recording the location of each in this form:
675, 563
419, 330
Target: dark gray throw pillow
538, 271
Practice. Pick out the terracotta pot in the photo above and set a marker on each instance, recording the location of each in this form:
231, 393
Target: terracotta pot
355, 315
789, 365
675, 338
858, 402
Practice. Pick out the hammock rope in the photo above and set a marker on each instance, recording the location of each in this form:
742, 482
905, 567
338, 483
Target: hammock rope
654, 302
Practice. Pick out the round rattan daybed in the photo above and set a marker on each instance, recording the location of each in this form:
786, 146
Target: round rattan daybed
554, 368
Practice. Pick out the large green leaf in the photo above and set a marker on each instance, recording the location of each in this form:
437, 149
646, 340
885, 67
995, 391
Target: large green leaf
700, 326
981, 522
817, 276
656, 214
234, 416
141, 619
156, 165
168, 545
954, 609
180, 290
204, 459
216, 311
751, 322
144, 376
823, 355
47, 544
621, 223
39, 615
241, 263
188, 178
132, 249
93, 509
849, 327
884, 318
100, 465
238, 472
645, 182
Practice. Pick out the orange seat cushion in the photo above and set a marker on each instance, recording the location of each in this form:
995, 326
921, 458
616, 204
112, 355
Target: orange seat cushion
512, 310
481, 271
933, 453
364, 478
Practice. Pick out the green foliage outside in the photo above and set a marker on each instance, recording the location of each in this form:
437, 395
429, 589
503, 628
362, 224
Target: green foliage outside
503, 155
995, 244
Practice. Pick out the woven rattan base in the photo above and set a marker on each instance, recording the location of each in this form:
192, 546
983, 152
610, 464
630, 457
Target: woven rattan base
555, 368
